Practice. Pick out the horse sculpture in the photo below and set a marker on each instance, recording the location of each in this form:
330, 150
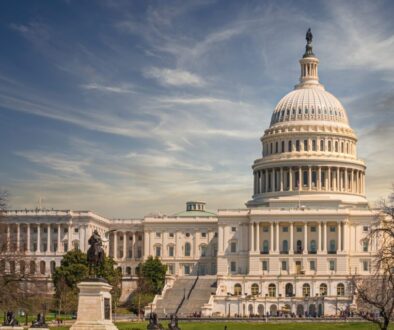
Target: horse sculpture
95, 254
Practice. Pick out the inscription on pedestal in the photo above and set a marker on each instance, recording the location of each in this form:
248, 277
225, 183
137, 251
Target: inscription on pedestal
107, 308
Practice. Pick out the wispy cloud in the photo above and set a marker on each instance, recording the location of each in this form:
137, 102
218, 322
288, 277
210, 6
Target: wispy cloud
174, 77
109, 89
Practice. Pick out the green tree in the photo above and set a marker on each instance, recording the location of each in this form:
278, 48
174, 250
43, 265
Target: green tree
74, 269
153, 273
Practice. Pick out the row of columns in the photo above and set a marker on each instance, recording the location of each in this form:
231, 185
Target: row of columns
24, 240
123, 253
256, 247
318, 178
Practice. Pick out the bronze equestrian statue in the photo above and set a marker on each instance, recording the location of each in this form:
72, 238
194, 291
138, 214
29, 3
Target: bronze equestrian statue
95, 253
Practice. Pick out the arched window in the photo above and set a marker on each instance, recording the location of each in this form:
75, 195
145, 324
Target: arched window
300, 310
187, 249
313, 246
289, 146
336, 146
158, 250
255, 289
340, 289
321, 145
42, 267
128, 271
32, 267
53, 266
298, 145
329, 146
289, 290
250, 309
237, 289
306, 290
260, 310
265, 246
273, 310
272, 290
323, 289
333, 245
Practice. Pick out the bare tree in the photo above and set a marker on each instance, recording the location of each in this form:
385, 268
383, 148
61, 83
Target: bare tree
375, 294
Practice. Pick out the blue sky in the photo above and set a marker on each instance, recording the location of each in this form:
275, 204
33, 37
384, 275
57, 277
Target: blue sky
132, 107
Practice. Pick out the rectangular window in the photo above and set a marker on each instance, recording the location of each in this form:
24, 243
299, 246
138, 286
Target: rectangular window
312, 265
276, 147
171, 251
233, 266
284, 265
265, 265
306, 145
313, 229
233, 228
365, 246
297, 145
283, 146
158, 234
365, 228
186, 269
233, 247
332, 265
216, 234
158, 251
204, 235
171, 269
289, 147
365, 266
265, 229
332, 229
139, 253
76, 230
171, 235
285, 229
314, 145
299, 229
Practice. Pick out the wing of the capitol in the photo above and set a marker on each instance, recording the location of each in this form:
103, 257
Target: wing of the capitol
295, 246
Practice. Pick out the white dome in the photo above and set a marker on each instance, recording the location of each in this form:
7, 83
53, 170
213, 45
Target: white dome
309, 104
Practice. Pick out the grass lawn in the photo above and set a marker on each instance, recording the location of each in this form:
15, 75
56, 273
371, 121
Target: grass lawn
252, 326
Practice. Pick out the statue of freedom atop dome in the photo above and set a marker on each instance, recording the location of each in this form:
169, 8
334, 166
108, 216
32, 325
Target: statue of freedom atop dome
309, 36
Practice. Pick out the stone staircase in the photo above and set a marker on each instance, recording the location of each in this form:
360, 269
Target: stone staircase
173, 297
199, 296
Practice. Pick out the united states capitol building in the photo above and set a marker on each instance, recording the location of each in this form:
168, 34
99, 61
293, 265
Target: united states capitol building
293, 248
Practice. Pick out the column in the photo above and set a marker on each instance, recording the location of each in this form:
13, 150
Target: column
271, 237
277, 237
258, 248
339, 249
305, 238
261, 182
8, 243
266, 180
309, 177
69, 242
28, 237
325, 237
273, 179
18, 240
291, 250
281, 179
115, 245
125, 245
290, 179
362, 183
345, 245
319, 178
337, 187
220, 239
319, 249
38, 238
329, 179
59, 229
351, 181
346, 181
48, 238
251, 236
300, 178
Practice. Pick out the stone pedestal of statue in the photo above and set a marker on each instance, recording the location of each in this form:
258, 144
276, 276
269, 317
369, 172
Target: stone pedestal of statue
7, 327
94, 306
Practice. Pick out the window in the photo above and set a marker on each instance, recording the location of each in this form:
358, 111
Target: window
158, 251
285, 229
276, 147
272, 290
306, 290
365, 228
333, 246
171, 251
237, 289
289, 146
75, 230
283, 146
314, 145
171, 235
340, 289
265, 246
332, 265
265, 265
313, 246
329, 146
297, 145
365, 245
187, 249
255, 289
321, 145
284, 265
186, 269
171, 269
312, 265
323, 289
233, 266
332, 229
265, 229
233, 247
233, 229
216, 234
306, 145
299, 229
187, 234
365, 266
203, 249
204, 234
285, 246
313, 229
289, 290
